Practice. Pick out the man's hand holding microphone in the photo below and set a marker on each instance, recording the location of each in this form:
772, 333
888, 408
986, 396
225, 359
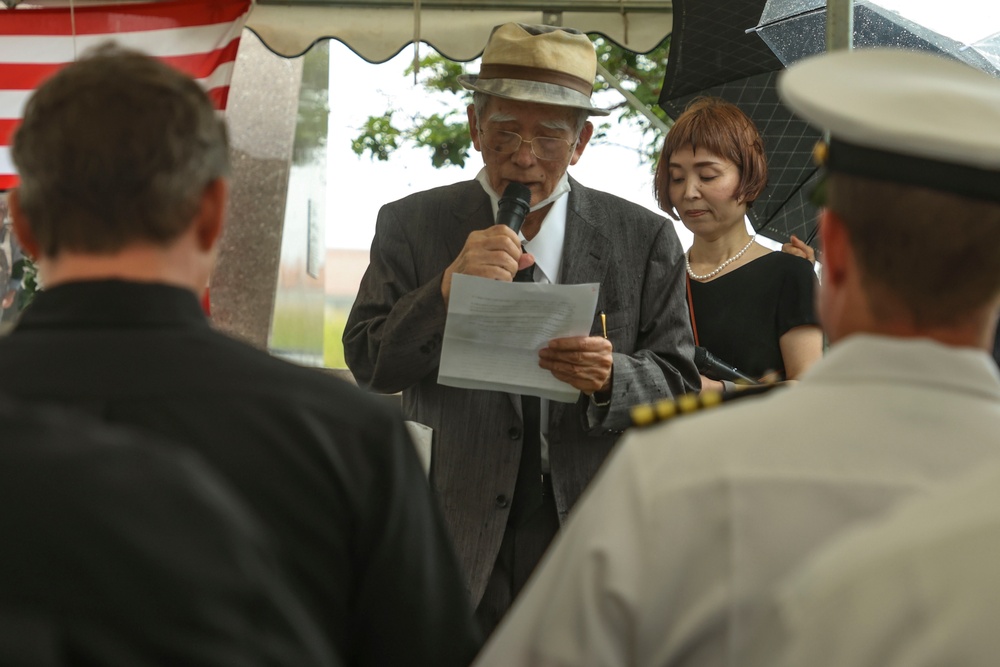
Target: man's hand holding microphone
495, 252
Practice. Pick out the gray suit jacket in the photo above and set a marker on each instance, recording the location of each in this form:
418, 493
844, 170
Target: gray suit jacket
393, 339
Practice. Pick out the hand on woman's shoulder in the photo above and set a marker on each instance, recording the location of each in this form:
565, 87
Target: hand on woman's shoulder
799, 248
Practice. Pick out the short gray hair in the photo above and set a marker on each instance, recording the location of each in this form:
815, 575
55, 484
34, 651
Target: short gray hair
113, 149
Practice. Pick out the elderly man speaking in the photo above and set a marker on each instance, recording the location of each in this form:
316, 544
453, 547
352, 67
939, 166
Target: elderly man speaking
529, 119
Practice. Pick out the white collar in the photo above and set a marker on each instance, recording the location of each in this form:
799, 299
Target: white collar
865, 357
547, 246
562, 187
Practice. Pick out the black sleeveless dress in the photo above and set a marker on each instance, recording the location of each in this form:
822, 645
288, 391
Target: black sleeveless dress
741, 315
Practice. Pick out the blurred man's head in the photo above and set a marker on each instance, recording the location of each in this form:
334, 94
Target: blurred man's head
115, 149
913, 190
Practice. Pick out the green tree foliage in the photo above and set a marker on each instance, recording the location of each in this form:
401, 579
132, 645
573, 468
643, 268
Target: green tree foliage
446, 135
379, 137
642, 75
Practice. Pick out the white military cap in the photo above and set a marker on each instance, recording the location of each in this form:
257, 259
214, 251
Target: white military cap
903, 116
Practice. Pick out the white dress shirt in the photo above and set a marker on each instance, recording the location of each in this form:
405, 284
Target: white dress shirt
547, 249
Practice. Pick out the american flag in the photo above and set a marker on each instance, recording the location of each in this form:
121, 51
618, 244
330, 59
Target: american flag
199, 37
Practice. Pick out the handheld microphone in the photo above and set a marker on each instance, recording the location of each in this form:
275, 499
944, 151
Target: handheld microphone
714, 368
514, 205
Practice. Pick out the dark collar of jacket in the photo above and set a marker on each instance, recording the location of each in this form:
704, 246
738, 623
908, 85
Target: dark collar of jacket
104, 304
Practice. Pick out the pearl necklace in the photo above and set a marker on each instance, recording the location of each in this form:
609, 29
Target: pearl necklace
687, 262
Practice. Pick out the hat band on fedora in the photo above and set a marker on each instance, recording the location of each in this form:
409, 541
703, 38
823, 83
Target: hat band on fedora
912, 170
542, 75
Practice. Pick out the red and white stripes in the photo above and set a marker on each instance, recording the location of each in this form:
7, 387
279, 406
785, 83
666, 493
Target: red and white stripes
199, 37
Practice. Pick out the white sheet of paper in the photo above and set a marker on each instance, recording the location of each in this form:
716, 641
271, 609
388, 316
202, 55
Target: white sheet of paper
495, 329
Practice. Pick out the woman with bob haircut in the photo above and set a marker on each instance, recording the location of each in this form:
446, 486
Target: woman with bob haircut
752, 308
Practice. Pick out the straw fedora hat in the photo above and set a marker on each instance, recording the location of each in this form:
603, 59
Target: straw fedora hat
538, 63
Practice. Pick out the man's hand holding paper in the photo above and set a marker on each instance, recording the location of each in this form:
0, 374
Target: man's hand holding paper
584, 362
495, 333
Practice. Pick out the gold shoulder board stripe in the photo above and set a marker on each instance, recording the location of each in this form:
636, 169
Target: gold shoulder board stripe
661, 411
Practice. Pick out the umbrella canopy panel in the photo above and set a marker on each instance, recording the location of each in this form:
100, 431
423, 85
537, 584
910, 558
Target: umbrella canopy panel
794, 29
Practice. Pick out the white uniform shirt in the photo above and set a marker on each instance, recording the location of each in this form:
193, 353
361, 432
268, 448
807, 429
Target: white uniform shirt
917, 588
690, 519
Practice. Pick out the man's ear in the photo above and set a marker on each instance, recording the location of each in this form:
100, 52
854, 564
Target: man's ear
473, 126
22, 230
211, 213
585, 134
836, 246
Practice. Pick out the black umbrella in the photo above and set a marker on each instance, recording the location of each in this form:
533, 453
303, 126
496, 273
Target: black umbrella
712, 53
794, 29
735, 50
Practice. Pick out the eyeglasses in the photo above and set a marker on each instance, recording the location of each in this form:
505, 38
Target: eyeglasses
543, 148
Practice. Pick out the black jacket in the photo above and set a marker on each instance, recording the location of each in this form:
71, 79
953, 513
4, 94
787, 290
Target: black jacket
120, 549
328, 469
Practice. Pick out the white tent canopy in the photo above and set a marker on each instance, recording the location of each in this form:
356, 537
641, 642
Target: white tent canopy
378, 29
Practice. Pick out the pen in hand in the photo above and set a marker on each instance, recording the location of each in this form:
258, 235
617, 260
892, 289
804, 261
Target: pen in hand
604, 324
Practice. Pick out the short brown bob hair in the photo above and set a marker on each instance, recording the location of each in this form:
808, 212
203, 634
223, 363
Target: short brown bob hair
722, 128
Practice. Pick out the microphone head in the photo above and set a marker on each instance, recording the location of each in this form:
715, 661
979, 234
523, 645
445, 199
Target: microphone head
518, 192
514, 205
716, 369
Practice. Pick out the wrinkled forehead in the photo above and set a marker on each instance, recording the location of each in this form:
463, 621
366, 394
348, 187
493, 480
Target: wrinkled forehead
550, 124
498, 110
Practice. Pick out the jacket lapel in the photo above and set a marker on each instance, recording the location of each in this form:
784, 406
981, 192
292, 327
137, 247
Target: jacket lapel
472, 211
587, 248
586, 256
